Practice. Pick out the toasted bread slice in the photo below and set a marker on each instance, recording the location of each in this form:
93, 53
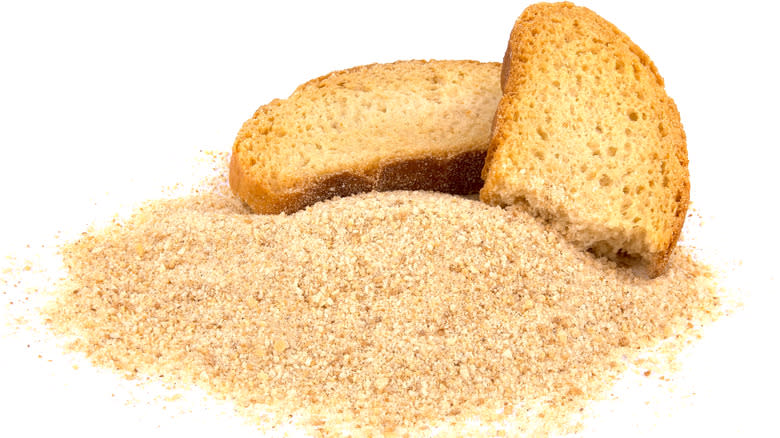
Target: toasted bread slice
586, 137
409, 125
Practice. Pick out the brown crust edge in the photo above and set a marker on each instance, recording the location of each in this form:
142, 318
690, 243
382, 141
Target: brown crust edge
658, 261
456, 174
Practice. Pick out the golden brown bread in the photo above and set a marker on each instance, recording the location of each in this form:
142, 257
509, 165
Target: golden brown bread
409, 125
586, 137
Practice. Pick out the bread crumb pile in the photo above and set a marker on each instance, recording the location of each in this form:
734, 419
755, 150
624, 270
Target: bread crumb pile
385, 312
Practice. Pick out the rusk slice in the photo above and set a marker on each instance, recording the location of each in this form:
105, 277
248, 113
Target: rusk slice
586, 137
409, 125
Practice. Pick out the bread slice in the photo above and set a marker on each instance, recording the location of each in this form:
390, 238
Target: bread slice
586, 137
409, 125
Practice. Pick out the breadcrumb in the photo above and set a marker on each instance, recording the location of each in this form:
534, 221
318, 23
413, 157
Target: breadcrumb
395, 312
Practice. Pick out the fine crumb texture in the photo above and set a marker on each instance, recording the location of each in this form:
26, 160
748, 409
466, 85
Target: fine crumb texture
381, 313
586, 137
408, 125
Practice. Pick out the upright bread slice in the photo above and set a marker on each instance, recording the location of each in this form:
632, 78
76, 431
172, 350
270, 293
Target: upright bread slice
409, 125
586, 137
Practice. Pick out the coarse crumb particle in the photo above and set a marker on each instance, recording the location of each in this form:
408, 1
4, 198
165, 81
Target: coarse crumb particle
400, 311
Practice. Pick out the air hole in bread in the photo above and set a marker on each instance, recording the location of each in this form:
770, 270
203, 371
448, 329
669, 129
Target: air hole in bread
612, 151
605, 180
594, 148
633, 116
542, 133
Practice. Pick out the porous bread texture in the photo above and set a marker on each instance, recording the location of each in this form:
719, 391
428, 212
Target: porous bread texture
586, 137
409, 125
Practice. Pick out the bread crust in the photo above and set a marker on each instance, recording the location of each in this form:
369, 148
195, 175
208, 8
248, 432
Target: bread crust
457, 174
657, 262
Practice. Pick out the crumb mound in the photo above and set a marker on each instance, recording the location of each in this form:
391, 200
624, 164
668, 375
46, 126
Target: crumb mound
382, 312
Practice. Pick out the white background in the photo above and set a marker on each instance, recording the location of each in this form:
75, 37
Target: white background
104, 98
